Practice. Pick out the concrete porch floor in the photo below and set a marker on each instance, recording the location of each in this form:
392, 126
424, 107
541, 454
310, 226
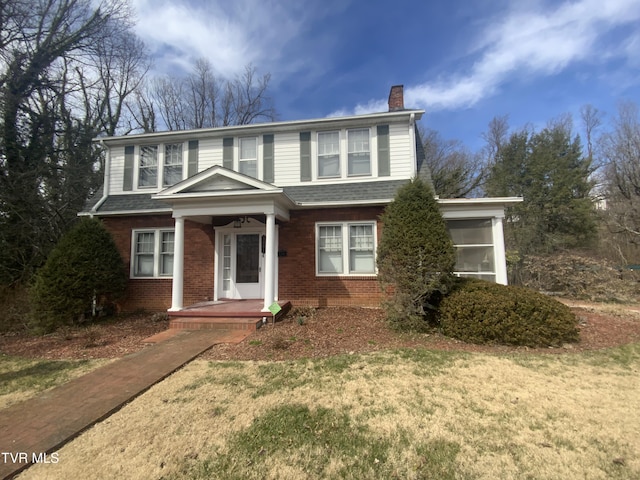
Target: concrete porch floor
225, 314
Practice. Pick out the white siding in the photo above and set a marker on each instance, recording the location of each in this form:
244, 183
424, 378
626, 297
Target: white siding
209, 153
117, 170
287, 158
402, 152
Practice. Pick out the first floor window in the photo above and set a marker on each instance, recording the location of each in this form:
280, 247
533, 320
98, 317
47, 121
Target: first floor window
152, 253
473, 242
346, 248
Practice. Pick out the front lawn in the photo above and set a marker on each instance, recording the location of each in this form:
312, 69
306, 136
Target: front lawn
405, 413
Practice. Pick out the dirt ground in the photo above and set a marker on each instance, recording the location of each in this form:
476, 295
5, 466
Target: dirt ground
329, 331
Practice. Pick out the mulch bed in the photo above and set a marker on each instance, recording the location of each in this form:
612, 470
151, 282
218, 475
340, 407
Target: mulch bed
330, 331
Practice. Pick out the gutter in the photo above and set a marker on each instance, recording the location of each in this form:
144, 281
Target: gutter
107, 180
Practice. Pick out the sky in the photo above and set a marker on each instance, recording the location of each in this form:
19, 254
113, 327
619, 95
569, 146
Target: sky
462, 61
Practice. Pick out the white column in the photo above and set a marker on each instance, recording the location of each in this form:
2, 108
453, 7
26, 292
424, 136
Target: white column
498, 251
178, 266
270, 262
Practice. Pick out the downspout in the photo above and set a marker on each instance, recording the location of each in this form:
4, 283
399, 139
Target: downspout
107, 180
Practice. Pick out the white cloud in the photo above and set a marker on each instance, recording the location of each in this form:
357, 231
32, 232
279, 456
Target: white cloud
531, 40
229, 34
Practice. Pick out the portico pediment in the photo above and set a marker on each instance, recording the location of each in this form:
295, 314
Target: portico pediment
218, 180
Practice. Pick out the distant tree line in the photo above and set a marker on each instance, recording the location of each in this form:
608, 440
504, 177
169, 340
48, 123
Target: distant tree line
579, 191
71, 71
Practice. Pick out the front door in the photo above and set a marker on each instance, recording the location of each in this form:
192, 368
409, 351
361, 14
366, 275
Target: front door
248, 265
241, 258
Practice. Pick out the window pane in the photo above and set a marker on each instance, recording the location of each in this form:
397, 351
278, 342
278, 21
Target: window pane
249, 168
359, 164
474, 259
148, 173
247, 258
330, 249
248, 148
471, 232
328, 154
172, 164
144, 266
144, 242
166, 266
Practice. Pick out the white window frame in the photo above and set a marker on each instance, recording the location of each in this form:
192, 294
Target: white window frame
346, 247
165, 165
160, 165
319, 156
343, 155
157, 252
255, 159
141, 148
488, 275
358, 151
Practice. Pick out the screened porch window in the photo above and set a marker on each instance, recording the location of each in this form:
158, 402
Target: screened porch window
473, 242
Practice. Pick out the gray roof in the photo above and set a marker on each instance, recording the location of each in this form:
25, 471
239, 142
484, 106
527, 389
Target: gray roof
344, 192
378, 191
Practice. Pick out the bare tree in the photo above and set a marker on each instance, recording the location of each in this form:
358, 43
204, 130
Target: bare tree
455, 171
620, 149
201, 100
63, 79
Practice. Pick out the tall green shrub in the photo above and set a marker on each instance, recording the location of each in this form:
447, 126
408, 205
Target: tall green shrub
85, 265
415, 256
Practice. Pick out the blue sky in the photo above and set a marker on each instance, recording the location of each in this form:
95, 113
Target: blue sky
464, 62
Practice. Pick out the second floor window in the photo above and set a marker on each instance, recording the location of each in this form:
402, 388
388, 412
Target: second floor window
148, 173
328, 154
248, 158
172, 164
359, 161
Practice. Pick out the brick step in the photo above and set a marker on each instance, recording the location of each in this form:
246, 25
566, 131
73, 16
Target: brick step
216, 323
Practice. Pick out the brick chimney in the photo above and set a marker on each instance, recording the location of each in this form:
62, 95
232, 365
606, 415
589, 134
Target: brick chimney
396, 98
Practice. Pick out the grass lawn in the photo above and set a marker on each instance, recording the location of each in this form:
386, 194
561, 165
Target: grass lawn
22, 378
395, 414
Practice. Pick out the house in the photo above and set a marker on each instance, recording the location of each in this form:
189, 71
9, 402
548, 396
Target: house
284, 210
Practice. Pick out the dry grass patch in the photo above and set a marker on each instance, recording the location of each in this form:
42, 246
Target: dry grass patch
22, 378
405, 414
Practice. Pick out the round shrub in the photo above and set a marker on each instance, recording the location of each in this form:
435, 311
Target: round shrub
478, 311
84, 266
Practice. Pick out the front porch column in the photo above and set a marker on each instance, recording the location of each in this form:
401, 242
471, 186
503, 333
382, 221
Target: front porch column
178, 266
498, 250
270, 262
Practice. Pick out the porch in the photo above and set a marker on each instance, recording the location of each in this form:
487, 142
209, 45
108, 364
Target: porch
226, 314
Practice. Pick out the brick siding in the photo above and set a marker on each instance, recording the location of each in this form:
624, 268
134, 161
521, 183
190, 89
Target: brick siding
297, 277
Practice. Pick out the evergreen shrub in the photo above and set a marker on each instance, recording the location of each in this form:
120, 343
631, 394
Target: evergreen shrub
85, 265
415, 257
479, 311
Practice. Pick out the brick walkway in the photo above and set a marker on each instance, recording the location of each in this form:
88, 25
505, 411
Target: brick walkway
45, 423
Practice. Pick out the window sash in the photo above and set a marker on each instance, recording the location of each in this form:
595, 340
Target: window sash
359, 152
328, 154
173, 160
248, 157
361, 249
148, 171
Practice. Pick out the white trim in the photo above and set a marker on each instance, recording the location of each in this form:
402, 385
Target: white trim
177, 285
273, 127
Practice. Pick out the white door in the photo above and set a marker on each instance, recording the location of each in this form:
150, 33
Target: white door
242, 265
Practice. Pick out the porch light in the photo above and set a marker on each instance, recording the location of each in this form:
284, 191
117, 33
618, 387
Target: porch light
237, 223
